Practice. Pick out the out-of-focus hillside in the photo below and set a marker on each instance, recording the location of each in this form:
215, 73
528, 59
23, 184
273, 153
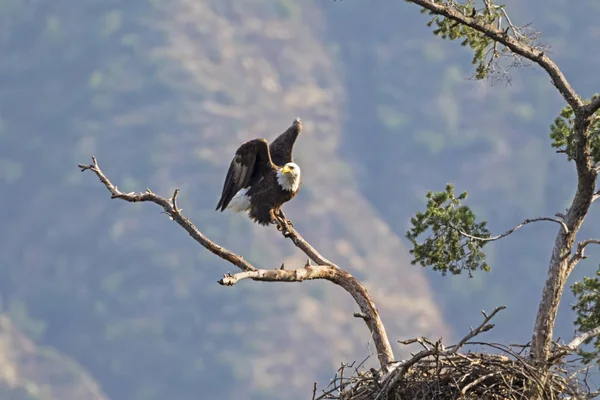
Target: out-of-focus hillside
162, 93
31, 372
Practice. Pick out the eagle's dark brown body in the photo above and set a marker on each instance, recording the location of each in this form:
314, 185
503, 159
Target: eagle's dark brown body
261, 178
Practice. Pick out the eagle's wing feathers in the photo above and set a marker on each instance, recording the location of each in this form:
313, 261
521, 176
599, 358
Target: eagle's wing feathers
252, 159
281, 148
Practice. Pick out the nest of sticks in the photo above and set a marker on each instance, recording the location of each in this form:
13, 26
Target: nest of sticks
495, 372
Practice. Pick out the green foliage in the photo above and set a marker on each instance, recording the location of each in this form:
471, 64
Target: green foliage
587, 308
479, 42
562, 133
447, 248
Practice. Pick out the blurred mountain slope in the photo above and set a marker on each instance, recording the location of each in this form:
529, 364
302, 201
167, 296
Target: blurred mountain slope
162, 93
30, 372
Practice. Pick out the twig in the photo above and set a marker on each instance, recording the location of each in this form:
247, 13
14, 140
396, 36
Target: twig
314, 391
174, 201
579, 253
324, 269
514, 29
483, 327
508, 232
360, 315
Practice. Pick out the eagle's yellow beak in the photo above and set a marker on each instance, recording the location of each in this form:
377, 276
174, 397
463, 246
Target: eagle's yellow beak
285, 169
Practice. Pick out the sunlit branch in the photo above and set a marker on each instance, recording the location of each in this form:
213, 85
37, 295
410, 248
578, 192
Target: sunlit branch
578, 340
282, 275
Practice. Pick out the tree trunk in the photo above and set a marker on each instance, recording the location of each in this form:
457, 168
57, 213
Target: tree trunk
551, 296
560, 267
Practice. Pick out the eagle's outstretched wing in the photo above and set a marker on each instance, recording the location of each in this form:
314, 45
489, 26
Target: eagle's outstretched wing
251, 161
281, 147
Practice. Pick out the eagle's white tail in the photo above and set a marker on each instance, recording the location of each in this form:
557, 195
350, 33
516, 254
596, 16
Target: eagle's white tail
240, 202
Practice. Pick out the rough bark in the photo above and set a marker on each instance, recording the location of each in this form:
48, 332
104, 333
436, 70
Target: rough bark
560, 263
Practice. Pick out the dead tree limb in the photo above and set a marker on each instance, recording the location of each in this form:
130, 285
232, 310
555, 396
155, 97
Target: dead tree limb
324, 270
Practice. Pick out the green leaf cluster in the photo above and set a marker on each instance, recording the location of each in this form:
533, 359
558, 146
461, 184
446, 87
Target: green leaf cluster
561, 131
447, 248
563, 135
477, 41
587, 308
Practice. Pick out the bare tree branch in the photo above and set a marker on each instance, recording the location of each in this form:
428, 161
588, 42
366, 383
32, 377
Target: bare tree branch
342, 278
483, 327
508, 232
324, 270
518, 47
578, 340
579, 253
278, 275
574, 344
174, 213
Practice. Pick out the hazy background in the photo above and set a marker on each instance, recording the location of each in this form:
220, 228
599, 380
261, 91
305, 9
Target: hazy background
101, 299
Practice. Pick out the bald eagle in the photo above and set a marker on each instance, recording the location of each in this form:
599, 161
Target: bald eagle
262, 177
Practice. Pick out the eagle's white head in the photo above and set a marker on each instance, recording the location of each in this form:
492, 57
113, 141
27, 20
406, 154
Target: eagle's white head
288, 177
